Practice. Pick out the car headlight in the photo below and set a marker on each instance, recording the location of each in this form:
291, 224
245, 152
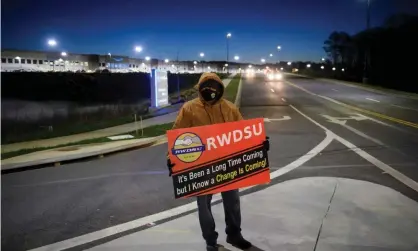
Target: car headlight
279, 76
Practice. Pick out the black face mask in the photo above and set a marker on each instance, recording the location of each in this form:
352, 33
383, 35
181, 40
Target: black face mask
211, 91
209, 95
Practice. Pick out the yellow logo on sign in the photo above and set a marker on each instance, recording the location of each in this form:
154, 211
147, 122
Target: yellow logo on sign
188, 147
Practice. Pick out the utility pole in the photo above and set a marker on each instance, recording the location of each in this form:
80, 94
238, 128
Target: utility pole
227, 51
366, 50
178, 77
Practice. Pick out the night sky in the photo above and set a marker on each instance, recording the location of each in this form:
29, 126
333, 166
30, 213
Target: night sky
163, 27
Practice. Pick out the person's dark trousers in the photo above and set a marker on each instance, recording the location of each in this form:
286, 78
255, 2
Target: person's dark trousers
232, 216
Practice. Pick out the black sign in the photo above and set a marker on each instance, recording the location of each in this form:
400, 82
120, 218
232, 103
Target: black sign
214, 175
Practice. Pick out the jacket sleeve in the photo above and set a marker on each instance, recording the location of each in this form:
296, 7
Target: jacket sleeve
183, 120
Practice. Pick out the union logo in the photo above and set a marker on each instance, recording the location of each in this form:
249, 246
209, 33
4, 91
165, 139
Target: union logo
188, 147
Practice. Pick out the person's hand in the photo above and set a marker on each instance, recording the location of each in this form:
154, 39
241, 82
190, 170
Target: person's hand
170, 167
266, 144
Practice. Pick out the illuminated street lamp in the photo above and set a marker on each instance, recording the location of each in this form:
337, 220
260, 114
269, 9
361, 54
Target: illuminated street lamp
279, 47
289, 63
52, 42
309, 65
228, 36
166, 60
323, 59
226, 65
263, 60
138, 48
342, 69
271, 55
333, 68
194, 62
64, 54
236, 58
202, 54
250, 66
322, 67
147, 58
281, 68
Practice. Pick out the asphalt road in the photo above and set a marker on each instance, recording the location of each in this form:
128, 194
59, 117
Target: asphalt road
44, 206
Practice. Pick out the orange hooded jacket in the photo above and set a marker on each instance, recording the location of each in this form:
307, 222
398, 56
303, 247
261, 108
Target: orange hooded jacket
198, 112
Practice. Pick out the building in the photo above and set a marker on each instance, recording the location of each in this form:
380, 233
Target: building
20, 60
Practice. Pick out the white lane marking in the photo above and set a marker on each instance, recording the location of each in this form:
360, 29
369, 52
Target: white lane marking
97, 235
361, 134
373, 100
335, 90
283, 99
386, 168
271, 120
271, 90
406, 108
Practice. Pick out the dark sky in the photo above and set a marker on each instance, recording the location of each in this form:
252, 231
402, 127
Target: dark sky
163, 27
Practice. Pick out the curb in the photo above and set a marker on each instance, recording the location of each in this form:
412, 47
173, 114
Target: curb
238, 97
70, 157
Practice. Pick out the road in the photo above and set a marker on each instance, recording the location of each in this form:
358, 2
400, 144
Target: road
45, 206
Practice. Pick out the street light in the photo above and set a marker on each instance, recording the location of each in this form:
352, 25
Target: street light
64, 54
236, 58
202, 54
226, 65
309, 65
250, 66
333, 68
289, 63
322, 67
342, 69
271, 55
166, 60
138, 48
279, 47
263, 60
227, 49
281, 68
147, 58
194, 62
52, 42
323, 59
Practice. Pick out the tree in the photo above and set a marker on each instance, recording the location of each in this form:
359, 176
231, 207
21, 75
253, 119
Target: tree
338, 46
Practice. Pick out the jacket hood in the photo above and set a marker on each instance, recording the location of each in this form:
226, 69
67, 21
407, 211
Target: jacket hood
209, 76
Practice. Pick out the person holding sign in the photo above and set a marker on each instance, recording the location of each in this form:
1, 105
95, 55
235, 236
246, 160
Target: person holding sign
211, 108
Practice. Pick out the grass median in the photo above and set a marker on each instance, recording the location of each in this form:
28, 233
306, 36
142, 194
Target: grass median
232, 88
152, 131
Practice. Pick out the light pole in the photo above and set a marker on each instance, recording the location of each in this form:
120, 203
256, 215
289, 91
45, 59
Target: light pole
228, 36
365, 72
52, 43
202, 55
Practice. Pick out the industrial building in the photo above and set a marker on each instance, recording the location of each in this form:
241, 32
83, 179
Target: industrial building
20, 60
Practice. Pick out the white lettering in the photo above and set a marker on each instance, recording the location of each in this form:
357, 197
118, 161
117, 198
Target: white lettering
224, 139
218, 168
237, 135
210, 142
196, 175
260, 129
254, 155
234, 162
247, 132
199, 185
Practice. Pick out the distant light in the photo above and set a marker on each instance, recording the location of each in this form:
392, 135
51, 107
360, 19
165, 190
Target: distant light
208, 67
228, 35
333, 68
309, 65
342, 69
64, 54
250, 66
323, 59
322, 67
279, 47
18, 58
138, 48
236, 57
263, 60
281, 68
52, 42
271, 55
173, 66
60, 60
202, 54
166, 60
109, 54
226, 65
147, 58
194, 62
289, 63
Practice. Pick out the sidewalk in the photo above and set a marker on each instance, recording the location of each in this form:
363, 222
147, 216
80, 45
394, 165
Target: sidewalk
289, 215
167, 118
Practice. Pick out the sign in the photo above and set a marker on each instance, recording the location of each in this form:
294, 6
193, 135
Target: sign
159, 88
217, 158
